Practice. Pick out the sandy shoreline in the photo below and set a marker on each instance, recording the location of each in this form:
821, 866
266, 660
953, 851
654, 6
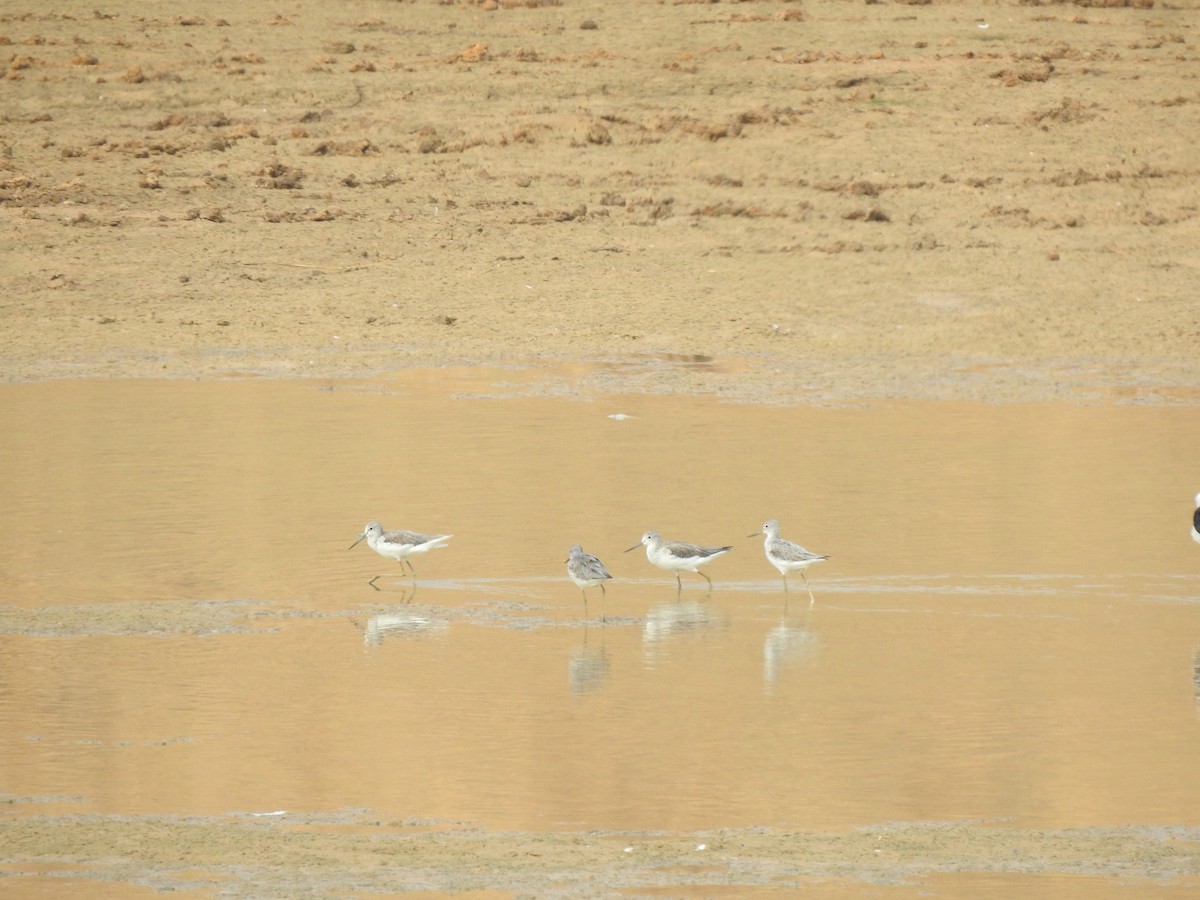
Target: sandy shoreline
864, 380
282, 854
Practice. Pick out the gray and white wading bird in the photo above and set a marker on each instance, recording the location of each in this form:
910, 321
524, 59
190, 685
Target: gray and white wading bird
1196, 521
586, 571
786, 556
676, 556
399, 545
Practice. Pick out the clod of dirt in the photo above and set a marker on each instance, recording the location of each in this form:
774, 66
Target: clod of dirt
1069, 111
361, 147
474, 53
598, 134
1116, 4
1013, 77
868, 215
280, 176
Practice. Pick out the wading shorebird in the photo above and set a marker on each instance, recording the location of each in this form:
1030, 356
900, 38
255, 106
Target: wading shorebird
677, 556
786, 556
399, 545
586, 571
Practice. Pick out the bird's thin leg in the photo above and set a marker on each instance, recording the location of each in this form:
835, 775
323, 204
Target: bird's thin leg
785, 584
603, 592
811, 598
373, 580
706, 578
678, 582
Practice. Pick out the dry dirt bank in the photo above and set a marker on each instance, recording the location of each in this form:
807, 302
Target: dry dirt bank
989, 200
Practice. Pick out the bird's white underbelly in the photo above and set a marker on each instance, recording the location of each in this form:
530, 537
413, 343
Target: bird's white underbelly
667, 560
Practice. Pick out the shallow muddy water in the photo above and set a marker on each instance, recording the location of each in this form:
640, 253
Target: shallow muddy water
1007, 628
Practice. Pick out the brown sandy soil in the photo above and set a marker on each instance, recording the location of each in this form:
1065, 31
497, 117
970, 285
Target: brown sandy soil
826, 201
813, 202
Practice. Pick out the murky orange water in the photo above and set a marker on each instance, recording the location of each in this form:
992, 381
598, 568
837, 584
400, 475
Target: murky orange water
1007, 628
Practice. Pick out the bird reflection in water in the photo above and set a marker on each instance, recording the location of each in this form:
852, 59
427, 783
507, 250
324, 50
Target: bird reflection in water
1196, 675
672, 621
788, 643
408, 624
587, 666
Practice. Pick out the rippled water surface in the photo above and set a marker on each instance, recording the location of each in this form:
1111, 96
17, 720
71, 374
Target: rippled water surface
1007, 627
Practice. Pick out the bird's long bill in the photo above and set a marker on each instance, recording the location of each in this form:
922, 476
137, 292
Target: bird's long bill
355, 544
756, 534
634, 547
